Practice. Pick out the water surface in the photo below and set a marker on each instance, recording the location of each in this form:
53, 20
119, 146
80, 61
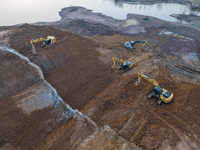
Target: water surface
28, 11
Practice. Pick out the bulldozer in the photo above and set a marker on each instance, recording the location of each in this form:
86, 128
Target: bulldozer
124, 65
46, 42
162, 94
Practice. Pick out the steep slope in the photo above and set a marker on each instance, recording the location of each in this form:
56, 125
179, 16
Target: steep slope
72, 66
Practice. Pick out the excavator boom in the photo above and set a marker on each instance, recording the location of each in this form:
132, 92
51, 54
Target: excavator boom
143, 75
36, 40
117, 59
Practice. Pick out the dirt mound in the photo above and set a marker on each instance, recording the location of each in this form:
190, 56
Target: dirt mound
72, 66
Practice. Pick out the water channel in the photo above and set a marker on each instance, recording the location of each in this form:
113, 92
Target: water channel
27, 11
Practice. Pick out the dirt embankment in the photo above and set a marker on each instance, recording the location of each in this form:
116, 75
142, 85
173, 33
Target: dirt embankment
29, 107
71, 66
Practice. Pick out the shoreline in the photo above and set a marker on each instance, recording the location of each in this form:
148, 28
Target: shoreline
192, 4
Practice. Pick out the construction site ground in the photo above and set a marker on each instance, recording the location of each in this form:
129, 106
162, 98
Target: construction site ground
80, 69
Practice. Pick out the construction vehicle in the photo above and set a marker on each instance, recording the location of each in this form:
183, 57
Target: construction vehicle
46, 42
163, 95
132, 43
124, 65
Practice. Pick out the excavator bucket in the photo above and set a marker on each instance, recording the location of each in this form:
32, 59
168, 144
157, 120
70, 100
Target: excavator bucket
33, 47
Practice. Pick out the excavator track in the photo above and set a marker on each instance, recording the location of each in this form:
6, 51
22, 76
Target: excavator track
150, 95
159, 102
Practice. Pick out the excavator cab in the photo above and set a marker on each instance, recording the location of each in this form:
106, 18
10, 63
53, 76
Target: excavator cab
47, 42
157, 92
126, 65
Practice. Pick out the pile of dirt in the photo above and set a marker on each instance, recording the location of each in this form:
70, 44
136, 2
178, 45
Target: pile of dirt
71, 66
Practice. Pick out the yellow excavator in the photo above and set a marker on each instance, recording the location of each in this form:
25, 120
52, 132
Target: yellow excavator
163, 95
46, 42
124, 65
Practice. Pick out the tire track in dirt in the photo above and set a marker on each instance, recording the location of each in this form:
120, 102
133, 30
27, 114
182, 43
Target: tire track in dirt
180, 134
183, 123
128, 130
139, 129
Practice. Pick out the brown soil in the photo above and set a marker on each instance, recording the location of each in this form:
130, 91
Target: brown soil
125, 107
71, 66
79, 68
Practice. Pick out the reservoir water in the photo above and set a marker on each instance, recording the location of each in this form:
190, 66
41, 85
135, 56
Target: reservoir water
28, 11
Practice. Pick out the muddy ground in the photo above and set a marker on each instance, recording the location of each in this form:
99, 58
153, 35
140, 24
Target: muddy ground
116, 112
